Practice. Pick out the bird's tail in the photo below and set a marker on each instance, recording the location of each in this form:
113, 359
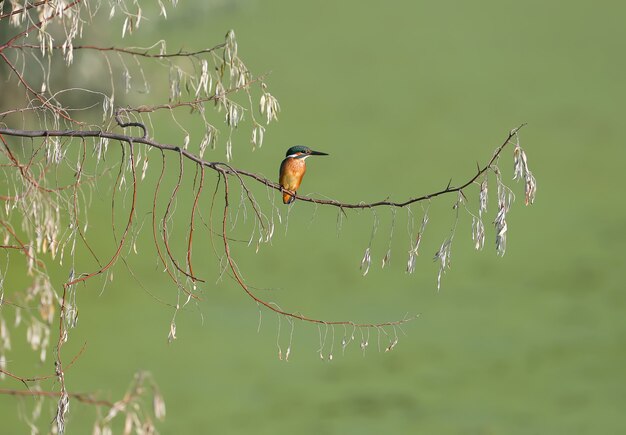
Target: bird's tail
288, 198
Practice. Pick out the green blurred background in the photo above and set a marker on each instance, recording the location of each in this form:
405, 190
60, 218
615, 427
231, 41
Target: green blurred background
403, 95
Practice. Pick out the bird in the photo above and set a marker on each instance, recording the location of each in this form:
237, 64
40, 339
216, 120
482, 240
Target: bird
292, 170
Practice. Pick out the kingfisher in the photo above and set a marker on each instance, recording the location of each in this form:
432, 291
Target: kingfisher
292, 170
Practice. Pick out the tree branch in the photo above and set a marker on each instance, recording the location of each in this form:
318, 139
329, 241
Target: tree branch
142, 52
229, 170
81, 397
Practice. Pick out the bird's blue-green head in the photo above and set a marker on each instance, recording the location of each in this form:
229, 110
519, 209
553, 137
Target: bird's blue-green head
300, 152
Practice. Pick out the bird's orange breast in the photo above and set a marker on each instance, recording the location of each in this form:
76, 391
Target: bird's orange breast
291, 174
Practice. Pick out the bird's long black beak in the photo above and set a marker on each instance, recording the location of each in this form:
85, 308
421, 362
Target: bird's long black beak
318, 153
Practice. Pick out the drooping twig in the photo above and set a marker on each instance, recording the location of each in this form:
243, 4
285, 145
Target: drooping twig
273, 307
